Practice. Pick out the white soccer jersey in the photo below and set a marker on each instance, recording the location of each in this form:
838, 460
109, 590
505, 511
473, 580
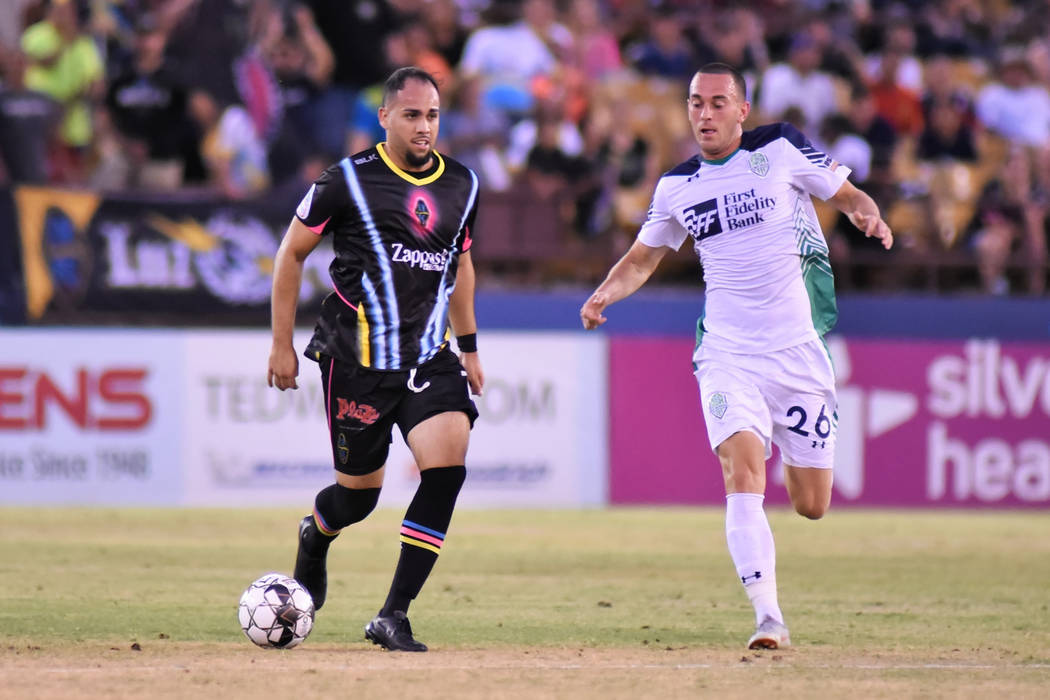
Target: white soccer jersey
764, 258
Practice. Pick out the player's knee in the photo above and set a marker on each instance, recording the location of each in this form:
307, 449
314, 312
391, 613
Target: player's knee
812, 508
343, 506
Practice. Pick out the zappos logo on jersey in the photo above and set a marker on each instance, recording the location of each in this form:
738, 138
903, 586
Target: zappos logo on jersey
702, 219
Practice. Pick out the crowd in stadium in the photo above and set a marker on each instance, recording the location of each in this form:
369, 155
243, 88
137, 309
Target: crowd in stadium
941, 108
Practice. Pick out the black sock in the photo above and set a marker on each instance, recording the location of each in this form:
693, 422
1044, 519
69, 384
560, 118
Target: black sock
337, 506
423, 533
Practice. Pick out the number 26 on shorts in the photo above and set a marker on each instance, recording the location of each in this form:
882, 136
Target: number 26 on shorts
821, 426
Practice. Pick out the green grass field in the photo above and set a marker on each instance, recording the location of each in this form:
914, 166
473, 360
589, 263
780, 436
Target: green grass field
603, 603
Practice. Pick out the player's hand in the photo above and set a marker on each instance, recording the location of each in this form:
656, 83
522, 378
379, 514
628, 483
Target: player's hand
283, 369
591, 312
475, 376
873, 227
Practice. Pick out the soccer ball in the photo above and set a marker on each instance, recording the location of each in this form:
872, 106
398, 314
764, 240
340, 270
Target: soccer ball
276, 612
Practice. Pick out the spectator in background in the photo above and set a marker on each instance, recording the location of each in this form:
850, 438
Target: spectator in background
302, 64
65, 64
539, 43
205, 38
233, 151
846, 146
1008, 221
1018, 109
942, 87
899, 44
895, 101
448, 36
665, 53
477, 134
947, 134
147, 104
28, 121
880, 135
356, 32
799, 82
549, 112
594, 52
735, 38
839, 54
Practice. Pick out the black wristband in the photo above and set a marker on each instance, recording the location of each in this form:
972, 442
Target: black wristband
468, 342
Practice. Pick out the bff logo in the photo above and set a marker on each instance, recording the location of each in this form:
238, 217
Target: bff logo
701, 220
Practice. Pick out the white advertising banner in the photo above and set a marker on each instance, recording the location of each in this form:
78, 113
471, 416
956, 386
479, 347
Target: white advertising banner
246, 443
90, 417
540, 441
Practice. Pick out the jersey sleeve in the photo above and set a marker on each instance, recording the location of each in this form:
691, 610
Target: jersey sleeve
325, 198
660, 227
811, 170
467, 239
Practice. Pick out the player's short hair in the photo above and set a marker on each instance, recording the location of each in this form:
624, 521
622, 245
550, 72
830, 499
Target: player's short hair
725, 69
396, 82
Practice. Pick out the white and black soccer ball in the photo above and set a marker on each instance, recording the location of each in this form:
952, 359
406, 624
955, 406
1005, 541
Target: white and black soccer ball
276, 612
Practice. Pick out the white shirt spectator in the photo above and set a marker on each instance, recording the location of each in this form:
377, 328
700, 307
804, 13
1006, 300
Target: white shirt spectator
783, 86
1019, 114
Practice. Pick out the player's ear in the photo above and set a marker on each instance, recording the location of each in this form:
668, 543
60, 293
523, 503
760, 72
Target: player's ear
383, 114
745, 110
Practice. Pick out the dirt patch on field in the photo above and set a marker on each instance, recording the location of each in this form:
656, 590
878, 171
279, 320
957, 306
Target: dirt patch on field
163, 669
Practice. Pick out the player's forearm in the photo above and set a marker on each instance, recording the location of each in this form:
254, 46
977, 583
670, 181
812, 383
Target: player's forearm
461, 304
287, 278
629, 273
854, 201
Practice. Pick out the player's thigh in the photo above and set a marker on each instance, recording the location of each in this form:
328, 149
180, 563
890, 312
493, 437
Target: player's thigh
800, 391
440, 440
436, 414
731, 399
361, 411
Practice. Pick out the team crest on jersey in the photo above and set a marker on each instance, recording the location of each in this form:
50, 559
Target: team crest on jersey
422, 210
718, 404
759, 164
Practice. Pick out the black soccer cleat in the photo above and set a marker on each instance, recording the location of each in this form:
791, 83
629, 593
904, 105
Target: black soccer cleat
393, 633
310, 567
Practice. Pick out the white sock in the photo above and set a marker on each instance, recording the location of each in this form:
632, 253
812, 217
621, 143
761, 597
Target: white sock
751, 546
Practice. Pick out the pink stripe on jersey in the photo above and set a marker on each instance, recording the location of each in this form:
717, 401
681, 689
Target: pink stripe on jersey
421, 536
340, 295
327, 404
319, 227
468, 241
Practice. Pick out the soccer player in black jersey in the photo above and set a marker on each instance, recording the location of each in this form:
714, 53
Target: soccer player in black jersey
401, 216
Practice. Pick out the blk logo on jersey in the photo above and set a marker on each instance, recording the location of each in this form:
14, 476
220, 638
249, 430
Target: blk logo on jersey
701, 220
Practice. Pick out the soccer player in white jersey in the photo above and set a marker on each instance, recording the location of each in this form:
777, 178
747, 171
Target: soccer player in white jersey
764, 373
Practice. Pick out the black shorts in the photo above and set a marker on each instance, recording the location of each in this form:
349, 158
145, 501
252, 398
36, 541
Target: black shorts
364, 405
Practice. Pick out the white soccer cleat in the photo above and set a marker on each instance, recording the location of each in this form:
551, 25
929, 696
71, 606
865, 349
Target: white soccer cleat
770, 635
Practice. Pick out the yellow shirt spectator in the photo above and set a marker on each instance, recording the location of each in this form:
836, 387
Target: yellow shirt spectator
65, 70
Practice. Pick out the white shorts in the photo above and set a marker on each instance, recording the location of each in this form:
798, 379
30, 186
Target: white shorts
786, 397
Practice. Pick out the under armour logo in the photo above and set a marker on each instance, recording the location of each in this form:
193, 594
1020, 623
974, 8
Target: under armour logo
745, 579
412, 382
815, 442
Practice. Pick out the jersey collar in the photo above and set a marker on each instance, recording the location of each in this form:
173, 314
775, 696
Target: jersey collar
409, 176
720, 161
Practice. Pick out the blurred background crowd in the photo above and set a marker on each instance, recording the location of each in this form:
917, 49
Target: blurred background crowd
569, 110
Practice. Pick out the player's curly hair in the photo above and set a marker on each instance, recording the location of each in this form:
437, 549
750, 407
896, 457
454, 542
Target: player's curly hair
396, 82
